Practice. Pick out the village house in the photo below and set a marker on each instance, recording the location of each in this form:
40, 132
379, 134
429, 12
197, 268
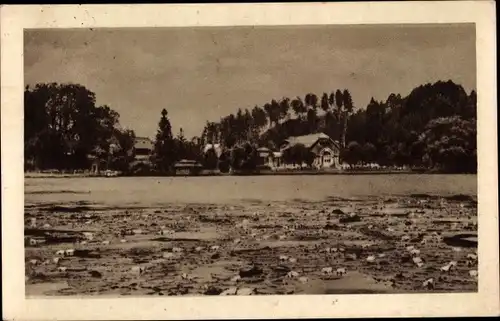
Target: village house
268, 158
96, 164
216, 147
143, 147
325, 149
142, 151
186, 167
264, 156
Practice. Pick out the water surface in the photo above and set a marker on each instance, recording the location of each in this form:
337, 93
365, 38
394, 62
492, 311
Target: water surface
151, 191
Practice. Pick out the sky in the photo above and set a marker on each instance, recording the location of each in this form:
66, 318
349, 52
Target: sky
201, 74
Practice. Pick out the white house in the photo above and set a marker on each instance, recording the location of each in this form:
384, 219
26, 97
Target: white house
143, 148
325, 149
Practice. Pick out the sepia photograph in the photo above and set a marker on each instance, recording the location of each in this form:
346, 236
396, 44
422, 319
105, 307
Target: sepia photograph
205, 161
251, 160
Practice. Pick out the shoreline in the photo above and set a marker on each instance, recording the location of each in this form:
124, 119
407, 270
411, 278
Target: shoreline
263, 173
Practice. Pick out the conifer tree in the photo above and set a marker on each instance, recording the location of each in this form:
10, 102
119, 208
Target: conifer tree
164, 149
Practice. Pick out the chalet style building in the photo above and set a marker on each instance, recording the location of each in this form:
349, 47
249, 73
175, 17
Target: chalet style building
326, 152
325, 149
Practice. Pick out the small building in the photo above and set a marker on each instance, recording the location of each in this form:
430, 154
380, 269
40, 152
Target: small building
268, 158
264, 155
216, 147
143, 147
277, 160
325, 149
97, 165
187, 167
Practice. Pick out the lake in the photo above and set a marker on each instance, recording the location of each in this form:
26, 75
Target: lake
216, 228
152, 191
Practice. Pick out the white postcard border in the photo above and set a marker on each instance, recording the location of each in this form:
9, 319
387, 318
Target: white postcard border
15, 18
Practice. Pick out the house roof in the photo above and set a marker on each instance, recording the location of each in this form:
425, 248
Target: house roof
307, 140
208, 146
216, 147
143, 143
185, 163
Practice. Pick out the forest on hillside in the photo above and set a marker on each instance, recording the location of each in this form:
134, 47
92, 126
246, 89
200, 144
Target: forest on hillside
433, 127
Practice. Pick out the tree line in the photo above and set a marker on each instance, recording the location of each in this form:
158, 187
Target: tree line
169, 149
279, 119
64, 129
434, 127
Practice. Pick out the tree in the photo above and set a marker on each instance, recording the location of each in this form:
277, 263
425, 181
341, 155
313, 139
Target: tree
325, 105
258, 121
248, 126
339, 100
64, 127
259, 117
374, 121
210, 159
298, 107
339, 113
368, 153
244, 158
237, 127
225, 161
228, 131
451, 144
289, 156
251, 157
312, 120
470, 109
181, 145
211, 133
348, 108
121, 150
275, 111
392, 127
311, 101
269, 111
284, 107
164, 149
357, 130
330, 124
193, 149
331, 99
308, 157
353, 154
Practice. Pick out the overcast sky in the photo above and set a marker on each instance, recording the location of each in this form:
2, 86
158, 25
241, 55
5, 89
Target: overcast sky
201, 74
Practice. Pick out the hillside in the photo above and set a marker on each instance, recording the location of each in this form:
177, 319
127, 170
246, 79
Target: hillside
434, 126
